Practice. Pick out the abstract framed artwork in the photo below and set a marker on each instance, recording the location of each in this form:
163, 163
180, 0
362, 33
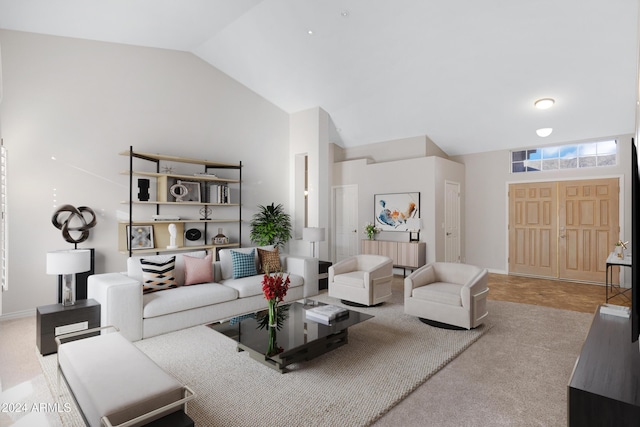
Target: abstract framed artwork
391, 211
141, 238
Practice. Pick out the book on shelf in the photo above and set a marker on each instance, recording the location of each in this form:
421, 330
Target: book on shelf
326, 313
165, 217
219, 193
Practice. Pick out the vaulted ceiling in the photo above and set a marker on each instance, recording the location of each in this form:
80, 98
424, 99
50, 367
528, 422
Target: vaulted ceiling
464, 72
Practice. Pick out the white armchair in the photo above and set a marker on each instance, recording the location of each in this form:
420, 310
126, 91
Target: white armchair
447, 293
362, 279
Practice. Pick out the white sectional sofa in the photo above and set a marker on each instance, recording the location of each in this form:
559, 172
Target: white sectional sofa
140, 316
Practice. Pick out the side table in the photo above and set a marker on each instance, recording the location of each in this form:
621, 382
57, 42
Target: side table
612, 289
57, 319
323, 274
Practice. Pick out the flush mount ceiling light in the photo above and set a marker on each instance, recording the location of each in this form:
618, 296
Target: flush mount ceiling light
544, 132
544, 103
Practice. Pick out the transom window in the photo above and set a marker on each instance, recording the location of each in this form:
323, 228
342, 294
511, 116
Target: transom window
587, 155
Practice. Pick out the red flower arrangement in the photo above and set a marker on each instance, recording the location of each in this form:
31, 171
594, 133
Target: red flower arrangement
274, 288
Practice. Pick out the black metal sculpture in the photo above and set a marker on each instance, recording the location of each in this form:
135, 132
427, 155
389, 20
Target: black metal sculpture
76, 215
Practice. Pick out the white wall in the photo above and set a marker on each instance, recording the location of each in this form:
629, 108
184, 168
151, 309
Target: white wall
399, 149
309, 134
487, 179
84, 102
423, 174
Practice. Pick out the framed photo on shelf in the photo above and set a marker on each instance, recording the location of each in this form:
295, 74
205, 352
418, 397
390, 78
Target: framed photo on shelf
391, 211
140, 238
185, 191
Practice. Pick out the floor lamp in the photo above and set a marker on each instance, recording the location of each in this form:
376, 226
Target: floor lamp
313, 235
67, 263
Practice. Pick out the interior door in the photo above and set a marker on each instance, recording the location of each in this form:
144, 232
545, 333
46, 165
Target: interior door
588, 220
452, 221
533, 231
345, 220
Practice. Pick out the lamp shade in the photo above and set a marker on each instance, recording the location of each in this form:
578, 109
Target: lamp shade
414, 224
68, 261
313, 234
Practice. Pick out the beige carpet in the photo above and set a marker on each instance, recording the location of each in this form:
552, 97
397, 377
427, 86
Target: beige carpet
386, 358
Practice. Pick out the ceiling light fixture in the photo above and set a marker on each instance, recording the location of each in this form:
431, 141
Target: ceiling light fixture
344, 13
544, 132
544, 103
310, 32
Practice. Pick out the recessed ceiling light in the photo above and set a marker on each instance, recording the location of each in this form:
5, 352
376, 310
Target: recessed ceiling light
544, 103
544, 132
344, 13
310, 32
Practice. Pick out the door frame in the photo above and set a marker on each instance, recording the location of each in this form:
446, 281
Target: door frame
621, 206
332, 248
459, 217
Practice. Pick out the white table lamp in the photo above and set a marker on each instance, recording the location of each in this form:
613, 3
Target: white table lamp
414, 225
313, 235
67, 263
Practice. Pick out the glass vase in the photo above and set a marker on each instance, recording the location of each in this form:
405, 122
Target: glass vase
272, 348
273, 313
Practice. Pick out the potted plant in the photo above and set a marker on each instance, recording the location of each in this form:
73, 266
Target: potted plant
270, 226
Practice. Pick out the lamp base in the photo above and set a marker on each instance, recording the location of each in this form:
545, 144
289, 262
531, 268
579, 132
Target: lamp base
68, 289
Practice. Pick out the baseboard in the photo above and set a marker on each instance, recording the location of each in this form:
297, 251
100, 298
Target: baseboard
18, 314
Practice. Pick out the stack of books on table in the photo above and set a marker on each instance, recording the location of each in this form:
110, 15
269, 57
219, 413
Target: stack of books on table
615, 310
326, 313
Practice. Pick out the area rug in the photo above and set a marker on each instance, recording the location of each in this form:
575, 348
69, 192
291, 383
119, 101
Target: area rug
386, 358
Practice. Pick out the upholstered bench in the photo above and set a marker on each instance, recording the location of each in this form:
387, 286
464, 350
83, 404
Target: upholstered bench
114, 383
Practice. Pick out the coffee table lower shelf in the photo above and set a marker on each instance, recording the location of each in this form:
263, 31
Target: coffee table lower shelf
303, 353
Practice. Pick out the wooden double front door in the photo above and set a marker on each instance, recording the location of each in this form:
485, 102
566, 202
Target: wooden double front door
563, 229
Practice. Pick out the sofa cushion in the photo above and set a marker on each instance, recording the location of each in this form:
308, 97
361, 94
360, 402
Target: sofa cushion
246, 286
186, 298
269, 261
244, 264
134, 269
445, 293
226, 264
198, 270
352, 278
251, 286
158, 275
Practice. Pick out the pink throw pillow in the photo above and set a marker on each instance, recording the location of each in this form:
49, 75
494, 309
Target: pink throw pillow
198, 270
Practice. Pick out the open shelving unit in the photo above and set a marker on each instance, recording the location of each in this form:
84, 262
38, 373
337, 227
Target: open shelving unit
231, 205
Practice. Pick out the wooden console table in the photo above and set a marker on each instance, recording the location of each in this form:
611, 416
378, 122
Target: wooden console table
405, 255
604, 389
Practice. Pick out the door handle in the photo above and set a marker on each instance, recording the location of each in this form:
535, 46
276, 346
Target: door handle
355, 231
448, 234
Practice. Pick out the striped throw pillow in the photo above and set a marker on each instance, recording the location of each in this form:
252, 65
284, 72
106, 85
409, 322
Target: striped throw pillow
243, 264
158, 275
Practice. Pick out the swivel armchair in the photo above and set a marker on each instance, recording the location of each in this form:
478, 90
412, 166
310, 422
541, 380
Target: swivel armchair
447, 294
363, 280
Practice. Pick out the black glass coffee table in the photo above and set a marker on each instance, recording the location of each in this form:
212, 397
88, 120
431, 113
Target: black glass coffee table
297, 340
